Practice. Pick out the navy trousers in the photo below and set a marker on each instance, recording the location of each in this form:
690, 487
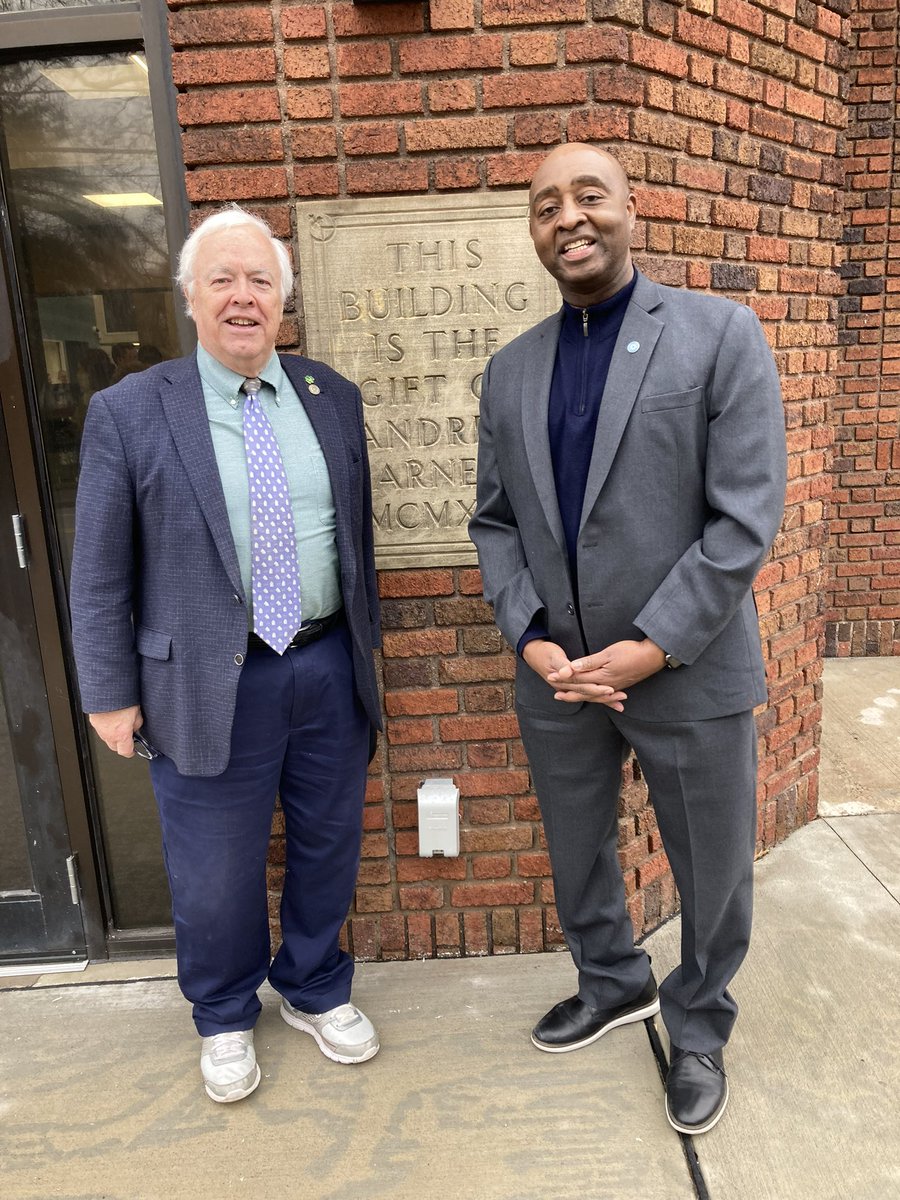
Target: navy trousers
301, 732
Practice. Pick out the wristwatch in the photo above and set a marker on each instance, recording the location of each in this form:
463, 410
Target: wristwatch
672, 662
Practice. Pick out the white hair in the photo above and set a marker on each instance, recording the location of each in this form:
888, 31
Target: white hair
230, 218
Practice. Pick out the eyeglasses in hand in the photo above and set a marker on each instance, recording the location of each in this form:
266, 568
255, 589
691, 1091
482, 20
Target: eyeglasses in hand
143, 749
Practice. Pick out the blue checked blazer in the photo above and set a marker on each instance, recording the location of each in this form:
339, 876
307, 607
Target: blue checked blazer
158, 609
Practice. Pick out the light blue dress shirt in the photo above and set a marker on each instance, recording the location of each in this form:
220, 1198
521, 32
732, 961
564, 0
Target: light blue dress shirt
307, 475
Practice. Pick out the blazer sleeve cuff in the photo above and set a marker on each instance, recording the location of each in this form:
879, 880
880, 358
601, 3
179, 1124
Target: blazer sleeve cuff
537, 629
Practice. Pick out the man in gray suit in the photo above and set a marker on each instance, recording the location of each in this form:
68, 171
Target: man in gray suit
224, 612
631, 480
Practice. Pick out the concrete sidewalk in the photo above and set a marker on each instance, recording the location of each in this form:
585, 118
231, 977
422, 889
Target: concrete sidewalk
100, 1094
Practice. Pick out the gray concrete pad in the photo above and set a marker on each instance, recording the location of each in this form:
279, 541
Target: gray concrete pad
814, 1062
101, 1097
17, 981
113, 970
875, 840
860, 769
121, 970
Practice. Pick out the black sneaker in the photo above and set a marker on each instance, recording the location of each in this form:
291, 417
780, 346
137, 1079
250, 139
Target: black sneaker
696, 1090
572, 1024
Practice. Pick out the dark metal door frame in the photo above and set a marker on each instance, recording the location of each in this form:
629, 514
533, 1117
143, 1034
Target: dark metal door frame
34, 35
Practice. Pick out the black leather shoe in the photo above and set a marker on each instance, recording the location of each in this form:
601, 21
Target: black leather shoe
696, 1090
572, 1024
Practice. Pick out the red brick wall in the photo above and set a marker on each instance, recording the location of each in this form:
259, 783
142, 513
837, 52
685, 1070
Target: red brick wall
727, 115
864, 611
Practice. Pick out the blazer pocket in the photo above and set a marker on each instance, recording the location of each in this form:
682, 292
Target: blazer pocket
672, 400
153, 644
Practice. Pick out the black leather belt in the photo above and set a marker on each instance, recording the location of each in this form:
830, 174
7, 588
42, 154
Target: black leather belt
309, 631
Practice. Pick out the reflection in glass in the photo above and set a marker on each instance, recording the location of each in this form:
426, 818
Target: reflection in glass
15, 867
138, 887
92, 259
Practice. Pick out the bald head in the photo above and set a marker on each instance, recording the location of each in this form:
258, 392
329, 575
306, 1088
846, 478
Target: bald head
561, 153
581, 214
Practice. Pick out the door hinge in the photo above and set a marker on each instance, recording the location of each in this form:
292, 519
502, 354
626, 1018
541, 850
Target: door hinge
21, 544
72, 872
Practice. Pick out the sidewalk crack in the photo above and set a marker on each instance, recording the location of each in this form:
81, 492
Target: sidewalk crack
828, 821
687, 1142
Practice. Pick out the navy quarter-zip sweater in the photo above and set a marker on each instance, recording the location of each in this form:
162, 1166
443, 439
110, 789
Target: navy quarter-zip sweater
586, 342
583, 355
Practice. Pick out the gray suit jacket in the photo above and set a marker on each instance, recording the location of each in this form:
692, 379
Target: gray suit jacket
684, 497
158, 608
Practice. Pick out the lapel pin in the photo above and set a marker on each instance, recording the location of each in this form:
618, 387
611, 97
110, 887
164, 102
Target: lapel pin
312, 386
633, 347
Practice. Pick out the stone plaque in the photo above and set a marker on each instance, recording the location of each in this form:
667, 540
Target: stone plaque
409, 297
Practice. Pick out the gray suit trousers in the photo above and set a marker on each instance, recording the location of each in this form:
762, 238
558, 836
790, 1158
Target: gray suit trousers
702, 781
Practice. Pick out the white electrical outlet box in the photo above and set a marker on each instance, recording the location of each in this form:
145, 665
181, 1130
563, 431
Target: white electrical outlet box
438, 818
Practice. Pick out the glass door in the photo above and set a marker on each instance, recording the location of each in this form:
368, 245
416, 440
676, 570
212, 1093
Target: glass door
40, 902
91, 281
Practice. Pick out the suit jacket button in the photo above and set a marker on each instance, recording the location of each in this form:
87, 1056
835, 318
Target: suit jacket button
239, 660
570, 609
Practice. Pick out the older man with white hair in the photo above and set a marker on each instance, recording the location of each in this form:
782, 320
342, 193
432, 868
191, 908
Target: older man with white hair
224, 611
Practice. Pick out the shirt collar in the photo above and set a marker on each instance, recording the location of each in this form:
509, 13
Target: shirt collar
600, 314
227, 383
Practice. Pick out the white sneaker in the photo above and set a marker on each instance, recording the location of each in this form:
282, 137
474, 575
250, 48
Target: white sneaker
343, 1034
228, 1065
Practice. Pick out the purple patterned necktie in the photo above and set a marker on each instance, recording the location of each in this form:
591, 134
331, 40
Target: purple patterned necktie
276, 578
